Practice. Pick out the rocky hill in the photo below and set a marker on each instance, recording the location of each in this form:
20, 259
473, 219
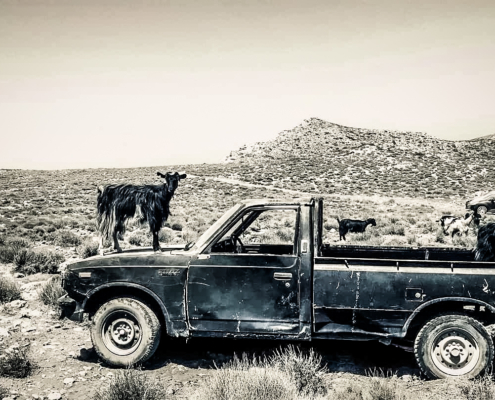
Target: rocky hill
320, 156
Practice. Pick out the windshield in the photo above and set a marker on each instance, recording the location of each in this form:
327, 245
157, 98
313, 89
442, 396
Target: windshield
214, 228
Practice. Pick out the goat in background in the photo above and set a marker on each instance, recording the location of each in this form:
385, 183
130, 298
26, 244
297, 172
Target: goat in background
354, 226
117, 203
461, 226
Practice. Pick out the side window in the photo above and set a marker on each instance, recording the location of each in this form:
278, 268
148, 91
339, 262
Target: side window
259, 231
272, 227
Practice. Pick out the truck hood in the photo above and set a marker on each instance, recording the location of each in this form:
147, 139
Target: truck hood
172, 255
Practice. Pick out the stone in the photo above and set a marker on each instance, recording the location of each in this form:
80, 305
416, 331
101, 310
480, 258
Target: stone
69, 381
4, 332
17, 303
54, 396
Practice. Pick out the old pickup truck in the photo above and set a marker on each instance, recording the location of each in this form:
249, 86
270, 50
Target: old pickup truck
262, 271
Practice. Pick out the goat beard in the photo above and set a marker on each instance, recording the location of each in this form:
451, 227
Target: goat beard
485, 248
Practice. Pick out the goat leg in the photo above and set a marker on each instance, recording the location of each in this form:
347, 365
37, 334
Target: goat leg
156, 244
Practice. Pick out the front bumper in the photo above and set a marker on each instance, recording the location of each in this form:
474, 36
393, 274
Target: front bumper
70, 308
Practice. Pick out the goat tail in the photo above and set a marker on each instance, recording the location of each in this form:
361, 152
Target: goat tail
338, 220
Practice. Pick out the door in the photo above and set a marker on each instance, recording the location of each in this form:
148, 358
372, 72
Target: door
247, 281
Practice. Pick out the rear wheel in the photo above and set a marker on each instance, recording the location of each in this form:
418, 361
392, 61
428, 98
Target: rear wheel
125, 331
481, 210
453, 345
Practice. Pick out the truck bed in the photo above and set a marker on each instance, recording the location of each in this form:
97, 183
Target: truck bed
397, 253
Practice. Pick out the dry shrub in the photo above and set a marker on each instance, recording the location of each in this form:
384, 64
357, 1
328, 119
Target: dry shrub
64, 238
11, 247
385, 389
166, 235
9, 290
139, 238
51, 291
30, 262
88, 248
15, 361
288, 374
244, 379
482, 388
130, 384
353, 391
304, 368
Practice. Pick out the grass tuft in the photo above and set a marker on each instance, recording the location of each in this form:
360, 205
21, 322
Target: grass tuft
88, 248
9, 290
31, 262
304, 368
288, 374
51, 291
130, 384
3, 392
15, 362
482, 388
64, 238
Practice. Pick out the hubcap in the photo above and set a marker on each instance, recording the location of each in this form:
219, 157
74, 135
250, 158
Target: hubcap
482, 210
121, 333
455, 352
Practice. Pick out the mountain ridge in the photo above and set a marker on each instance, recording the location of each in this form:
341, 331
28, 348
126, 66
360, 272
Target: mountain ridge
326, 156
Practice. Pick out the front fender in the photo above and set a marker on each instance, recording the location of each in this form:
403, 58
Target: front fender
136, 289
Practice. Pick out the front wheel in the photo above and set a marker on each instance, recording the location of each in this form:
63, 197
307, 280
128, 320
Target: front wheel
452, 346
125, 332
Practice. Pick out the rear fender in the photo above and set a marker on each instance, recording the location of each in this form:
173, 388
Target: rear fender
437, 303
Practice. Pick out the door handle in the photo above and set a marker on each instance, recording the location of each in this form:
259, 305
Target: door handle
282, 276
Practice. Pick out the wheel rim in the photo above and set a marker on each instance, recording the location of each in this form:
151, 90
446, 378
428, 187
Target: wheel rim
481, 210
455, 352
121, 333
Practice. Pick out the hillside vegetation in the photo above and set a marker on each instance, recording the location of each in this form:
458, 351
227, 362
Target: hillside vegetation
324, 157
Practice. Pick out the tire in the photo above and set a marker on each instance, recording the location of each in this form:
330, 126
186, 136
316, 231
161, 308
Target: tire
481, 210
452, 346
125, 332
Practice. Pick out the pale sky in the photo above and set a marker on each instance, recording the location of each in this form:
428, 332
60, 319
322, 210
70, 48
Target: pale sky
125, 83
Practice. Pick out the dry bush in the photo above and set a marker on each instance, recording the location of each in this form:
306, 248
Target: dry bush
385, 389
64, 238
288, 374
353, 391
88, 248
30, 262
139, 238
9, 290
3, 392
51, 291
244, 379
11, 247
130, 384
15, 361
304, 368
166, 235
482, 388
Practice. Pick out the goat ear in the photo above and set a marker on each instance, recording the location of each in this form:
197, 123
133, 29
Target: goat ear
182, 176
160, 174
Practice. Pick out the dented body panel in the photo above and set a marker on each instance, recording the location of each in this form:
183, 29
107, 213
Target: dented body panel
222, 287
